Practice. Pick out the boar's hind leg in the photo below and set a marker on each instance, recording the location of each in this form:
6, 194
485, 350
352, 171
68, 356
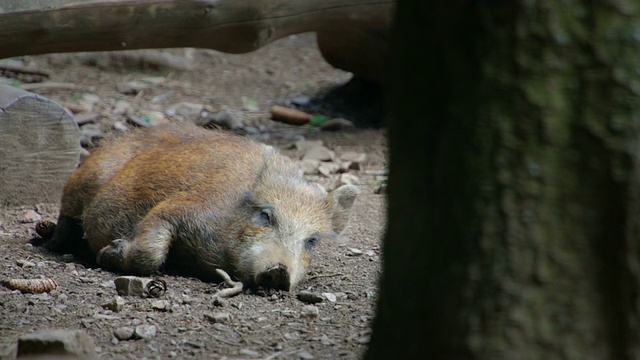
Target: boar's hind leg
145, 253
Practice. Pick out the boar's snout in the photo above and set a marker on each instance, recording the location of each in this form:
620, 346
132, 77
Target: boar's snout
276, 277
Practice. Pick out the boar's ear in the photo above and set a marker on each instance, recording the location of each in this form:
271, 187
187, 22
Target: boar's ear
340, 202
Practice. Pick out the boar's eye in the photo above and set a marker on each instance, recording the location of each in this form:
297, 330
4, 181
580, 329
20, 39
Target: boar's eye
264, 217
310, 242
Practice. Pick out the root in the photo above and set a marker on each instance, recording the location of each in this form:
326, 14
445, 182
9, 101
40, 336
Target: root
235, 287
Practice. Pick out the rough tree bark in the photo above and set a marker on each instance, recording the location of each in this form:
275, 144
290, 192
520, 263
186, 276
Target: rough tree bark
513, 190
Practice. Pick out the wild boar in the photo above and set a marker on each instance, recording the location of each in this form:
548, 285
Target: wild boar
195, 200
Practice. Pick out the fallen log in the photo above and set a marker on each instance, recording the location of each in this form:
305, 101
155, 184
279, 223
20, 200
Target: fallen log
232, 26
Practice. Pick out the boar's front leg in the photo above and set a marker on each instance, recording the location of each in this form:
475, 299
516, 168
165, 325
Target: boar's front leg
146, 252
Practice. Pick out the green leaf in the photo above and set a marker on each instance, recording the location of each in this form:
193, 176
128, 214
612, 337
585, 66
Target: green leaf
318, 120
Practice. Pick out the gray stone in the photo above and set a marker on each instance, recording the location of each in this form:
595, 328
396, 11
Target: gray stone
329, 296
310, 166
248, 352
116, 305
309, 297
306, 145
131, 285
222, 317
30, 216
328, 168
160, 305
301, 100
353, 156
145, 331
309, 311
304, 354
57, 342
124, 333
321, 153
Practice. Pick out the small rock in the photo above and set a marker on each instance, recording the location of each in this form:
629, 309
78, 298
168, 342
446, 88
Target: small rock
122, 108
116, 305
160, 305
305, 355
151, 118
261, 319
249, 104
30, 216
345, 179
353, 156
309, 297
219, 302
309, 311
309, 166
67, 258
248, 352
28, 247
161, 97
223, 118
131, 285
306, 145
328, 168
145, 331
186, 110
337, 125
25, 263
86, 117
301, 100
104, 317
380, 189
222, 317
329, 296
58, 342
321, 153
123, 333
370, 253
354, 252
120, 126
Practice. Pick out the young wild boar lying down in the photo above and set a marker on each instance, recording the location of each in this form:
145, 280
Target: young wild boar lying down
198, 200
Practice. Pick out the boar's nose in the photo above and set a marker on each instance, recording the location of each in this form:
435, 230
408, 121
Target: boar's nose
276, 277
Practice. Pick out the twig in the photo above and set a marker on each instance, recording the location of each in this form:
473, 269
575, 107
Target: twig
235, 286
325, 275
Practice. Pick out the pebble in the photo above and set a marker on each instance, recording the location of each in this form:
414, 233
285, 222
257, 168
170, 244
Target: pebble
160, 305
353, 156
67, 258
215, 318
305, 355
123, 333
337, 124
49, 343
301, 100
329, 296
86, 117
116, 305
321, 153
25, 263
131, 285
145, 331
310, 166
30, 216
248, 352
28, 247
354, 252
306, 145
328, 168
120, 126
309, 311
122, 108
309, 297
345, 179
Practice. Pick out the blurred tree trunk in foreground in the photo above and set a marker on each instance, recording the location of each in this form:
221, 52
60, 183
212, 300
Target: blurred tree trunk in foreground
514, 189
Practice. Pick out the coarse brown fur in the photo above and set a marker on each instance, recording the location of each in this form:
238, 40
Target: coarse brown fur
198, 200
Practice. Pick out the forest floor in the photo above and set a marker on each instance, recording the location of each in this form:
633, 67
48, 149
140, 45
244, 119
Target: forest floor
109, 92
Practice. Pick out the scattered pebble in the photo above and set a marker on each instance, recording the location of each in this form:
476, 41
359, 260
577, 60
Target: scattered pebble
329, 296
51, 343
160, 305
25, 263
321, 153
30, 216
353, 156
306, 145
345, 179
310, 166
28, 247
337, 124
354, 252
115, 305
248, 352
309, 311
304, 354
301, 100
123, 333
222, 317
309, 297
145, 331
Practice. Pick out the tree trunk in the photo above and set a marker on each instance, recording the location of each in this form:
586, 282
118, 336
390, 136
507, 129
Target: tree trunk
513, 190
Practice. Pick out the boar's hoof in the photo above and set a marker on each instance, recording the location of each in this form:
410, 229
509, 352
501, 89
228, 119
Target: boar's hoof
276, 278
111, 257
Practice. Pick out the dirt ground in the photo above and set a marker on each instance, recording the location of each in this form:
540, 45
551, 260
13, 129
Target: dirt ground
273, 326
